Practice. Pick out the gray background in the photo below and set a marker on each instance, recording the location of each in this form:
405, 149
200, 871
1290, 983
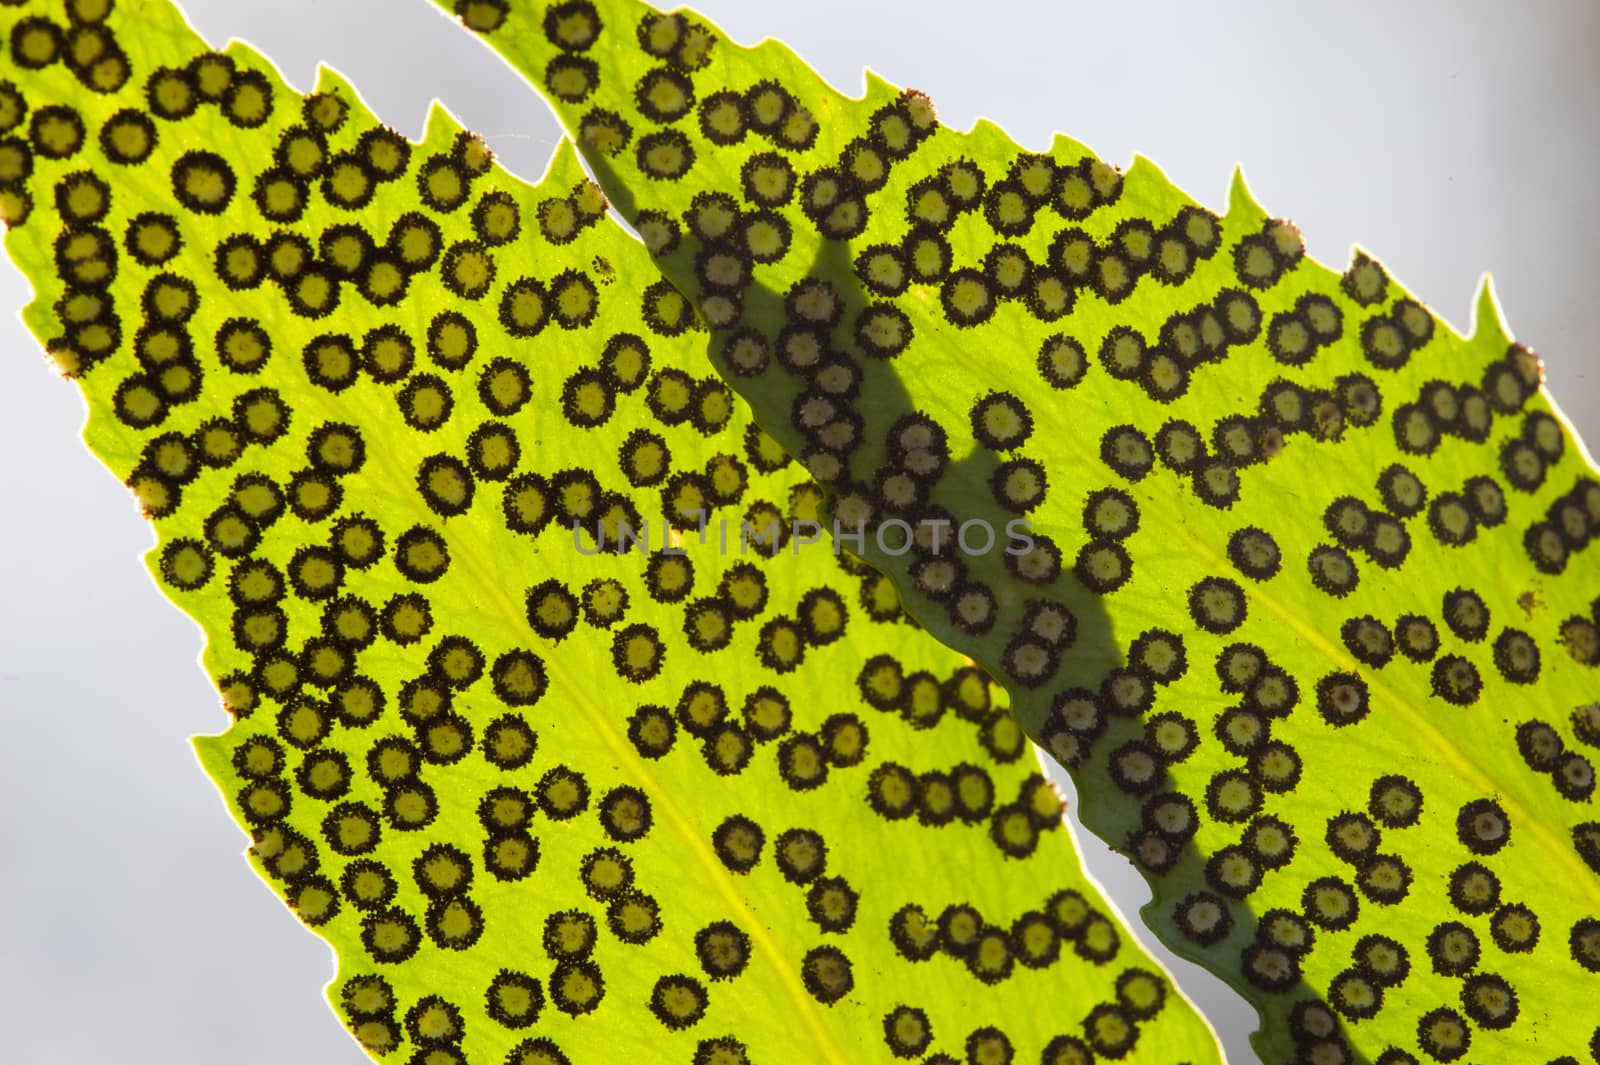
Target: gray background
1450, 137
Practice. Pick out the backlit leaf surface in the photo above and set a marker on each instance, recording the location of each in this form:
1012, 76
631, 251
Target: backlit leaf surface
1330, 680
548, 803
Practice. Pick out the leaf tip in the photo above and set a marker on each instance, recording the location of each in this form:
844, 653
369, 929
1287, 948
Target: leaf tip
877, 86
1241, 201
441, 124
1486, 314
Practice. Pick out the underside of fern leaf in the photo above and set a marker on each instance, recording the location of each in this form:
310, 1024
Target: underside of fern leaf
708, 799
1311, 610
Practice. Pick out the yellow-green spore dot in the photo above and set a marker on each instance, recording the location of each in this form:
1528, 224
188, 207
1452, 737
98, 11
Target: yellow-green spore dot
425, 402
347, 183
443, 186
637, 653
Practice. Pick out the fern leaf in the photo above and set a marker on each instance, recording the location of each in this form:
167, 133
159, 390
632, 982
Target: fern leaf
1329, 672
549, 797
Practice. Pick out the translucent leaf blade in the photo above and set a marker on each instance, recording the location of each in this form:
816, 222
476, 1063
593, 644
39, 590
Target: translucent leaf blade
365, 389
1219, 439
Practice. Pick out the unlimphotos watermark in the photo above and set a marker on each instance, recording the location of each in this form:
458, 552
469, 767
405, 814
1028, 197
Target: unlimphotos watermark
892, 536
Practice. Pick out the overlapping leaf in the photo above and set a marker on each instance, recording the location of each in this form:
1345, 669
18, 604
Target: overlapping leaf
1329, 676
707, 798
